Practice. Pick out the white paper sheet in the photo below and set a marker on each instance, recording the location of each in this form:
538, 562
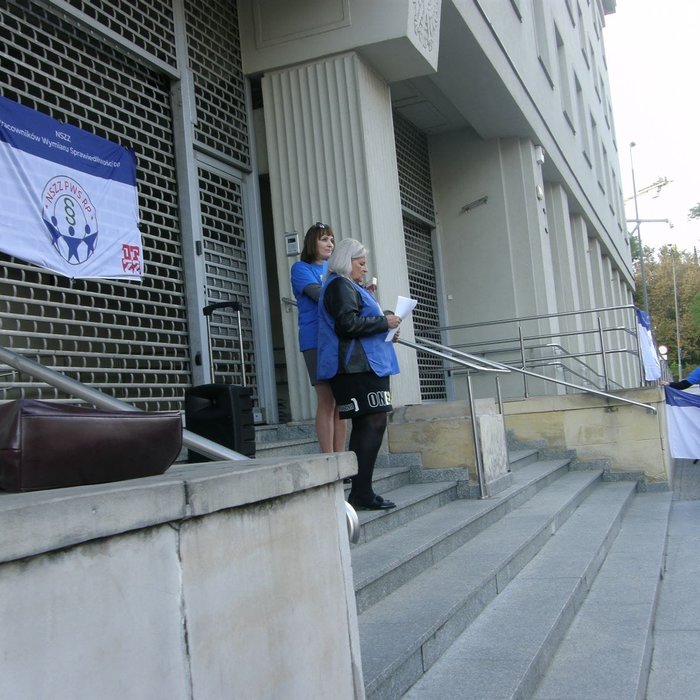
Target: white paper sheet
404, 307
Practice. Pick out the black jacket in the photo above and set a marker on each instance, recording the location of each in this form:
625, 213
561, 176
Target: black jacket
344, 303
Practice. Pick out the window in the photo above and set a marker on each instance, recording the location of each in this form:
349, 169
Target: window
564, 82
582, 35
582, 121
542, 38
597, 145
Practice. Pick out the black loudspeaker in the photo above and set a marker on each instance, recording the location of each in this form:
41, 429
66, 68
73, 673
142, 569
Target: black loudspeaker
222, 413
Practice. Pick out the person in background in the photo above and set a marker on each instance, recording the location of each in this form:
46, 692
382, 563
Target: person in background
306, 277
692, 378
354, 357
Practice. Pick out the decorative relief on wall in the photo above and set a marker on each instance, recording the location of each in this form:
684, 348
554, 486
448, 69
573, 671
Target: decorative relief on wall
426, 22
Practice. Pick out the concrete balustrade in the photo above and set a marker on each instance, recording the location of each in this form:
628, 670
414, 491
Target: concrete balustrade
210, 581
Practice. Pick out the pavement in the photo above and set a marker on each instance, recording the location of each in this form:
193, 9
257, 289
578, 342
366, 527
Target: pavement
675, 667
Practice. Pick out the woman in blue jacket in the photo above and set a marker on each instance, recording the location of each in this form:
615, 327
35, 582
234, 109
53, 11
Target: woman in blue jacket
307, 275
354, 357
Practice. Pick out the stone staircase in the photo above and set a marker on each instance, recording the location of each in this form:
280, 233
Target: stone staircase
545, 590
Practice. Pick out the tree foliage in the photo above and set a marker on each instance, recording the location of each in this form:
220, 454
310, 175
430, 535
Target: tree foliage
694, 213
672, 280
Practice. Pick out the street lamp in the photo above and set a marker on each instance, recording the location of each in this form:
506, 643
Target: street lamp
675, 306
639, 234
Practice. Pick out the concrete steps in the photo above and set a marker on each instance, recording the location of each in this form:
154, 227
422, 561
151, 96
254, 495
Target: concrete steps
422, 541
285, 439
546, 590
475, 598
606, 652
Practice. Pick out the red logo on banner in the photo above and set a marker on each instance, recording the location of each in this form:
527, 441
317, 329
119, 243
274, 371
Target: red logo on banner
131, 258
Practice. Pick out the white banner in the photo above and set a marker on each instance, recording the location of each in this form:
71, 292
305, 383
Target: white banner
68, 198
650, 358
683, 421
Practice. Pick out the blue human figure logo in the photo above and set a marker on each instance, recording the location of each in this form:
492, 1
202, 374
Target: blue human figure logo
70, 221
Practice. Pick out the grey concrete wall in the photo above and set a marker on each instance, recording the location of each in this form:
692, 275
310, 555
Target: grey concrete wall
225, 580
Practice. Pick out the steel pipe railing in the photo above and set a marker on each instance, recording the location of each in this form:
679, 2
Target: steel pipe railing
202, 445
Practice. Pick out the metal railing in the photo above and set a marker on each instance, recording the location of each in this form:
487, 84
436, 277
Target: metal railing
472, 363
475, 363
522, 338
456, 354
97, 398
200, 444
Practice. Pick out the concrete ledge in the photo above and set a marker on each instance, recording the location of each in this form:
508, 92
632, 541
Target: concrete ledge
218, 485
42, 521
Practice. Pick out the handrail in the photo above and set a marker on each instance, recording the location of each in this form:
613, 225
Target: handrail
609, 324
584, 389
471, 362
475, 362
538, 317
191, 440
577, 357
353, 523
75, 388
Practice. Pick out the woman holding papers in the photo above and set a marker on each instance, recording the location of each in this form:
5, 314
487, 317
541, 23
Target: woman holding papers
355, 358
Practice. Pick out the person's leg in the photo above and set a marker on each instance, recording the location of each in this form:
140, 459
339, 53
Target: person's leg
365, 441
326, 414
339, 431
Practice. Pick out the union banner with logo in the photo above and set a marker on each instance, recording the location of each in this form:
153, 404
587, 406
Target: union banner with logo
68, 198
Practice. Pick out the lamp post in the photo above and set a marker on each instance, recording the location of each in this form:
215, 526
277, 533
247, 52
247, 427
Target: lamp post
675, 305
639, 234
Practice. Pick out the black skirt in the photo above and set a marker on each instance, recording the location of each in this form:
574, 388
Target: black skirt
360, 394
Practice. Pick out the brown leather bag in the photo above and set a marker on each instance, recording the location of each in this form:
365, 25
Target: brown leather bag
46, 445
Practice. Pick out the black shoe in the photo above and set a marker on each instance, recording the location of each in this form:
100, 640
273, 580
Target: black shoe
377, 503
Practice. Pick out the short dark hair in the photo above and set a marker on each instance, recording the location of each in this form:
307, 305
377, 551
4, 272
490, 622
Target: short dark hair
309, 251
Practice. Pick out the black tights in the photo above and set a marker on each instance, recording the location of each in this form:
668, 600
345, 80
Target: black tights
365, 441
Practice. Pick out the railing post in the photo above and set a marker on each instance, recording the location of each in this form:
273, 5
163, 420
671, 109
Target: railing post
603, 354
499, 395
522, 360
477, 445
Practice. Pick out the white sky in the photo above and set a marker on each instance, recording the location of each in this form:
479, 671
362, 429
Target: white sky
653, 56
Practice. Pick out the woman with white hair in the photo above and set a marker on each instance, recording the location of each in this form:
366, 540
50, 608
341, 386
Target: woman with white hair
354, 357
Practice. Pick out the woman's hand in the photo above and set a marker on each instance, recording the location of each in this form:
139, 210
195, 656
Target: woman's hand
393, 320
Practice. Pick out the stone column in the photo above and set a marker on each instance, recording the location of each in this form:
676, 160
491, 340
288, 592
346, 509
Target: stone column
565, 274
582, 253
602, 275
